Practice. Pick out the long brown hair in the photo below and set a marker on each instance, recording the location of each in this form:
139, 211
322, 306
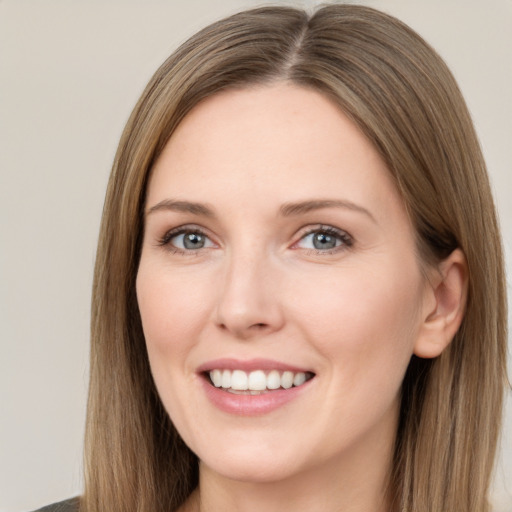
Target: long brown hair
402, 96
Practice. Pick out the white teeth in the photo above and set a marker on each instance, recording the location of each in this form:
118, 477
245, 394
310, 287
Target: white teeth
287, 380
256, 381
216, 376
226, 379
299, 379
239, 380
273, 380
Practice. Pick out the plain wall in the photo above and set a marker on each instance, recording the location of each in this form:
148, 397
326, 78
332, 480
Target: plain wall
70, 72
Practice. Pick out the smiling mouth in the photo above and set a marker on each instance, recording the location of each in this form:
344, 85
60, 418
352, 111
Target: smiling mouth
256, 382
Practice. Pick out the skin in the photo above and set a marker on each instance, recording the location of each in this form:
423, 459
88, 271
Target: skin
259, 288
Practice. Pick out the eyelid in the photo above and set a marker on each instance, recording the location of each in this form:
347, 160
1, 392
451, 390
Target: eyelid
164, 241
346, 239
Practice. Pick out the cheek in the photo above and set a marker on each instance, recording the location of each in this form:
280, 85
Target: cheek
171, 308
364, 322
171, 311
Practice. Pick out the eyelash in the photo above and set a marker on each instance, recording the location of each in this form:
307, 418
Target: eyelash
165, 241
345, 239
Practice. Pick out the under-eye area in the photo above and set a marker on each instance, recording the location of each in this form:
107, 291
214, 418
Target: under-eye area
257, 381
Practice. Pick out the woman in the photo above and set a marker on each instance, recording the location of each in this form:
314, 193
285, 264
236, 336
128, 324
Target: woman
299, 293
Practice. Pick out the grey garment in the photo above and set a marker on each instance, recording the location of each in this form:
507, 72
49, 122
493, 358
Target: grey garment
70, 505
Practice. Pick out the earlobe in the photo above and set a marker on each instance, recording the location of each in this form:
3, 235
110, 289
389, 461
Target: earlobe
445, 308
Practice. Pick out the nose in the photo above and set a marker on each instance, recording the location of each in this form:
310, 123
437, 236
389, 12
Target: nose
249, 304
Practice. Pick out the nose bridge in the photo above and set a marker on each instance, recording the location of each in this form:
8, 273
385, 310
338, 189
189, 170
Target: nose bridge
248, 301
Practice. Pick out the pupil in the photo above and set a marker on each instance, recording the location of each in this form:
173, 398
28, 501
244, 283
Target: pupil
193, 241
324, 241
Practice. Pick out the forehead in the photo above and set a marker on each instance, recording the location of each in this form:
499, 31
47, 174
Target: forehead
281, 142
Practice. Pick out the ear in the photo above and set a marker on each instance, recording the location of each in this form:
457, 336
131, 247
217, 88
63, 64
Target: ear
444, 306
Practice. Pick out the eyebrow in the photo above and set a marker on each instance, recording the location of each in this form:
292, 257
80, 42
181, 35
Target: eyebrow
286, 210
182, 206
301, 207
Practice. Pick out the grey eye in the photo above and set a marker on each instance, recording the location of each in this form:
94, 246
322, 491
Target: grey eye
190, 240
324, 241
193, 241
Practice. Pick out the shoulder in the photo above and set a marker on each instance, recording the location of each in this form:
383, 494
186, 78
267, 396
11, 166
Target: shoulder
70, 505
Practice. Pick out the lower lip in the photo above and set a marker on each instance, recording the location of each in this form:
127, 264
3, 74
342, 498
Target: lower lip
252, 405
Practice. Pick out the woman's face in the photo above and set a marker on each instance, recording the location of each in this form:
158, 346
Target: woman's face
277, 252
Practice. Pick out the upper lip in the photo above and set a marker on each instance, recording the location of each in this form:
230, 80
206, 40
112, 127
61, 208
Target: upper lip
249, 365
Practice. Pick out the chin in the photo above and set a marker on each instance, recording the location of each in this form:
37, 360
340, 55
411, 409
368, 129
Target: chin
256, 470
247, 454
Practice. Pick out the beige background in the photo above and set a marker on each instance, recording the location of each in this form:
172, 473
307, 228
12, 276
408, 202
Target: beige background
70, 72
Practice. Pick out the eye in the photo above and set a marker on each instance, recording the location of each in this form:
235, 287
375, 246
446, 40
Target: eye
190, 241
186, 240
325, 239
